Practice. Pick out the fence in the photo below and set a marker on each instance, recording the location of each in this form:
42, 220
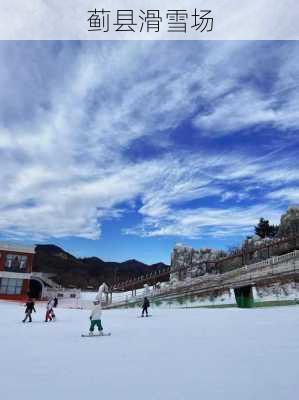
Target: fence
267, 247
278, 265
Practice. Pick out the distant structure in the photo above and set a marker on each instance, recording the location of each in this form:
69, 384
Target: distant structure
104, 289
258, 270
15, 270
18, 280
188, 263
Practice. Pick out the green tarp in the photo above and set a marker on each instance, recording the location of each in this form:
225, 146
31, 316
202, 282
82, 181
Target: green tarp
244, 297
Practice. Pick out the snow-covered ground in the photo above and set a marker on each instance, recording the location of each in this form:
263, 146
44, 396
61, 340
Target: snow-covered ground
175, 355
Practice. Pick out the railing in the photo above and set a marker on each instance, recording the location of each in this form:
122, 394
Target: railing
62, 294
273, 266
273, 260
141, 278
46, 278
18, 248
131, 283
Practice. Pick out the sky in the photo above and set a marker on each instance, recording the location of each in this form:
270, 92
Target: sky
122, 149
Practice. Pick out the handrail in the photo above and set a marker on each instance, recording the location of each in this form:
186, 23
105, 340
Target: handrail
243, 252
248, 273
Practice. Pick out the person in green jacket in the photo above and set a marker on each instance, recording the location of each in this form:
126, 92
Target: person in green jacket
95, 318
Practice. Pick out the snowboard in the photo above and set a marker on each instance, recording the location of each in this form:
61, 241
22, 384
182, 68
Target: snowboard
95, 334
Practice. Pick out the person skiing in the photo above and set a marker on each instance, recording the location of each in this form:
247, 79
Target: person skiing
95, 318
29, 308
55, 302
145, 306
50, 315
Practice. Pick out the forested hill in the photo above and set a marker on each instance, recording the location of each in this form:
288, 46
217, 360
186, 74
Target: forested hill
86, 272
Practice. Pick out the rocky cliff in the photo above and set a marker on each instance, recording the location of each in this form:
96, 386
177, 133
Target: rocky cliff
289, 222
193, 262
187, 263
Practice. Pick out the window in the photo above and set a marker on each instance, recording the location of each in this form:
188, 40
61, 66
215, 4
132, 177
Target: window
11, 286
15, 263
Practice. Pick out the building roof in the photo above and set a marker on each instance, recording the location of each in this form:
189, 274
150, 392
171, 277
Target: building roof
18, 248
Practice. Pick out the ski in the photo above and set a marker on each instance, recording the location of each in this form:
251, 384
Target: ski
140, 316
95, 335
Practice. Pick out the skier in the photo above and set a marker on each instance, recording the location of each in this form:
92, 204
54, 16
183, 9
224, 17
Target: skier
50, 315
55, 302
95, 318
28, 311
145, 306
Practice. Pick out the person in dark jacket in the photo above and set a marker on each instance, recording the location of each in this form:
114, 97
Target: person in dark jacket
28, 311
145, 306
55, 302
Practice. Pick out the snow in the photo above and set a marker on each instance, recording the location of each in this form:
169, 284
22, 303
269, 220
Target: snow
178, 354
88, 295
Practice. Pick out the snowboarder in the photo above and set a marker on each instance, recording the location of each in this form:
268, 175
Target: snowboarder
28, 311
50, 315
95, 318
145, 306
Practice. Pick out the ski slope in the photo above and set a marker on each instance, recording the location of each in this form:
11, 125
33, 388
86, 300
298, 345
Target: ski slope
175, 355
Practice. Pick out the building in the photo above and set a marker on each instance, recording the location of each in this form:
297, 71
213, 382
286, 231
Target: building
18, 280
15, 270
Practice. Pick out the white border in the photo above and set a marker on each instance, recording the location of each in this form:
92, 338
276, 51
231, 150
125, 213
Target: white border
67, 19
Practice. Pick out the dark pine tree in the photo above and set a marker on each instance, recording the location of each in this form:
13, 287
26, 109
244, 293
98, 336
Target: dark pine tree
264, 230
273, 230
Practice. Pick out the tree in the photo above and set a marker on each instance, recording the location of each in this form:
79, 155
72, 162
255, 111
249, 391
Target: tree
273, 230
264, 230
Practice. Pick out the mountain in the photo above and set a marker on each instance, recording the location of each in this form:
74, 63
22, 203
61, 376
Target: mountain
86, 272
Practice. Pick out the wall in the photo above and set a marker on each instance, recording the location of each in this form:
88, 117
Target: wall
278, 291
16, 271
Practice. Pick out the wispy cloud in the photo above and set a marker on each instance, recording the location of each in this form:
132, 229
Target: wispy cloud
200, 222
262, 89
67, 154
290, 194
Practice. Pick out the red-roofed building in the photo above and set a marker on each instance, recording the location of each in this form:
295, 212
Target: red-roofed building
15, 270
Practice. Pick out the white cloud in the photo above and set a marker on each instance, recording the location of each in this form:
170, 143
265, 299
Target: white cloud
260, 89
66, 138
237, 110
164, 207
290, 194
194, 223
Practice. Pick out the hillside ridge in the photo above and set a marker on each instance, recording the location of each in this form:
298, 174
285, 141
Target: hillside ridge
86, 272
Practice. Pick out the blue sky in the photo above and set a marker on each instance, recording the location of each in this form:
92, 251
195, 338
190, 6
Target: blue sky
122, 149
